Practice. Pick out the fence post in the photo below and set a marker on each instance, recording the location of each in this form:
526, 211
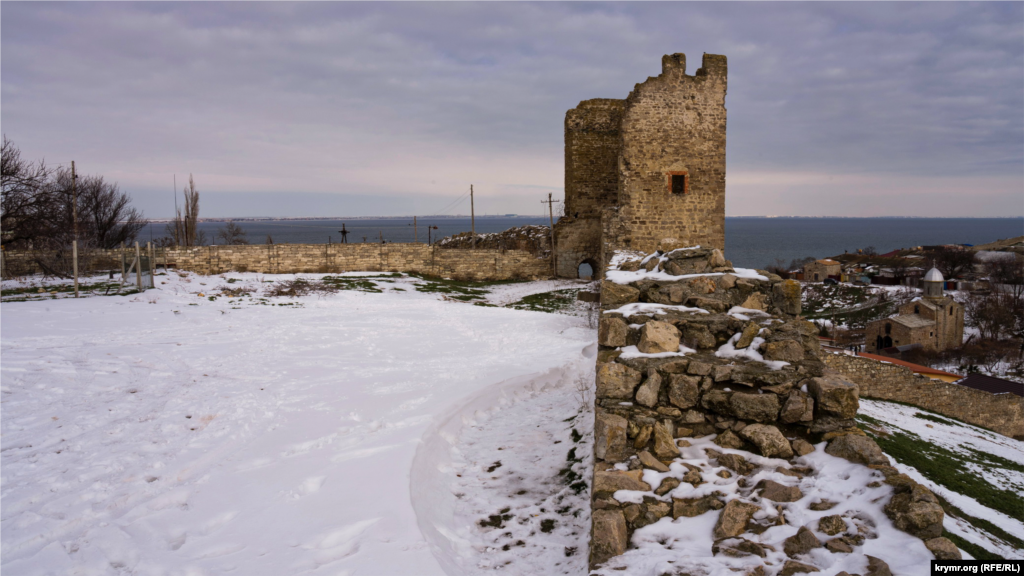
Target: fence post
124, 273
74, 263
3, 259
138, 267
152, 264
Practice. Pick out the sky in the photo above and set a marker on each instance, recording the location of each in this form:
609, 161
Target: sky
361, 109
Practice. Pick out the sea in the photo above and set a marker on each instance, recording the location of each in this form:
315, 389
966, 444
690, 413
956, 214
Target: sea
750, 242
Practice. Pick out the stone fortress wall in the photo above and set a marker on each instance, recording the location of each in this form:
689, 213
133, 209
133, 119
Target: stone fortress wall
1002, 413
479, 264
621, 157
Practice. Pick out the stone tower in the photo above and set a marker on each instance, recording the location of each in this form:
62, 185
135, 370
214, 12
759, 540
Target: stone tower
648, 171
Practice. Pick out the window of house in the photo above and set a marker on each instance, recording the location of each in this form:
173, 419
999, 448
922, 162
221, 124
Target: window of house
679, 182
917, 309
950, 311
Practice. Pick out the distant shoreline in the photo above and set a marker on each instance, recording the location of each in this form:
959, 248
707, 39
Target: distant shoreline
534, 216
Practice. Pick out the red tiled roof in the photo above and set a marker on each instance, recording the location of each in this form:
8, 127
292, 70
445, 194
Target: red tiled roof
914, 367
991, 384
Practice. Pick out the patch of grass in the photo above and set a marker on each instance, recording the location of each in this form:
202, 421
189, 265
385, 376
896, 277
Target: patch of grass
978, 552
30, 293
463, 290
981, 524
948, 469
555, 301
358, 283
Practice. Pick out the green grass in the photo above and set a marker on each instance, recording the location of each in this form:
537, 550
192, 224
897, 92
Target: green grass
818, 299
556, 301
463, 290
358, 283
951, 470
936, 419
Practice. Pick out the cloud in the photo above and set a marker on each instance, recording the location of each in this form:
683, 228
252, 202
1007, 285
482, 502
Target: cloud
407, 100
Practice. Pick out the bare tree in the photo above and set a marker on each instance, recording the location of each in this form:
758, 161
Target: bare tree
24, 200
952, 261
184, 229
232, 233
870, 251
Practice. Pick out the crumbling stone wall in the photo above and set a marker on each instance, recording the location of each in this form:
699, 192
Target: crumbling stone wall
1002, 413
690, 347
481, 264
620, 157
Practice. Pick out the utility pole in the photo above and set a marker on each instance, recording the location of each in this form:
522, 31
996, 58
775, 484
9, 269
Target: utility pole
551, 219
472, 217
74, 218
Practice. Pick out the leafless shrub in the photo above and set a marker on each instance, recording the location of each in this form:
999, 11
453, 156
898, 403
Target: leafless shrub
232, 234
184, 229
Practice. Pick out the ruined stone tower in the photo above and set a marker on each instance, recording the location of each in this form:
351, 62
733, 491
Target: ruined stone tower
646, 171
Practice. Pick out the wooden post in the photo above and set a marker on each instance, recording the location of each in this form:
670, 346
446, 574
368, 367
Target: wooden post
415, 231
3, 259
138, 267
472, 217
124, 273
74, 222
551, 219
152, 264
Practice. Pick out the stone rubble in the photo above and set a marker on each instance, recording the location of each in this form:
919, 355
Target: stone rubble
725, 355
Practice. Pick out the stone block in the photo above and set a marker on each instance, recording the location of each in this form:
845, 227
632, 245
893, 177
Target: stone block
657, 337
615, 380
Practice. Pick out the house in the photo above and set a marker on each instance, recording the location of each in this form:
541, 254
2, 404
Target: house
991, 384
819, 270
935, 321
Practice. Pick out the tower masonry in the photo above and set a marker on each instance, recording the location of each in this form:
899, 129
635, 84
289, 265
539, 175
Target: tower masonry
646, 172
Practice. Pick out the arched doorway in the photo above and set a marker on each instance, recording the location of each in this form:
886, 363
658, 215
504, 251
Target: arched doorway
586, 270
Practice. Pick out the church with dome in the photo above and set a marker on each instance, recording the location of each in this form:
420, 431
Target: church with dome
935, 321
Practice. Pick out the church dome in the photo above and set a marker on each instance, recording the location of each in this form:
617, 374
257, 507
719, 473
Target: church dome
934, 275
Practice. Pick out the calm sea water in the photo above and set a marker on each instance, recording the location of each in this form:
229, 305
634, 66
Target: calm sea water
749, 242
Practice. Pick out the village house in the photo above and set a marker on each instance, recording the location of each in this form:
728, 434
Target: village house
819, 270
935, 321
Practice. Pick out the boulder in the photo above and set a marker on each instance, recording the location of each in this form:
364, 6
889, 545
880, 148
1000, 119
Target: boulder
720, 373
657, 337
648, 460
798, 408
800, 543
916, 512
698, 336
609, 436
611, 481
755, 301
690, 507
778, 492
716, 259
739, 547
786, 297
612, 332
609, 536
834, 396
643, 436
614, 295
667, 485
856, 448
749, 332
839, 546
717, 401
647, 394
832, 525
755, 407
943, 549
784, 350
877, 567
684, 391
728, 439
733, 519
736, 463
664, 440
692, 417
696, 368
615, 380
727, 281
793, 567
801, 447
768, 440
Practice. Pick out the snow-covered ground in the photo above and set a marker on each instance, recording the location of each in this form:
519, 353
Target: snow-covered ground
189, 431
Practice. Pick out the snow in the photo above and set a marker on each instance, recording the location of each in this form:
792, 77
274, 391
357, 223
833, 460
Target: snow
629, 352
168, 433
741, 313
628, 310
626, 277
684, 545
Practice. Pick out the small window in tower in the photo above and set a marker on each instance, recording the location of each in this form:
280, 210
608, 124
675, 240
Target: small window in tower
950, 311
679, 182
917, 309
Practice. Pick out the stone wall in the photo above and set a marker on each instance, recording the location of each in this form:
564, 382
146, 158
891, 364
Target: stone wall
592, 142
1002, 413
291, 258
691, 349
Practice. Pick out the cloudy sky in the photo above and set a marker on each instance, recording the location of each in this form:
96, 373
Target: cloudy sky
304, 109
